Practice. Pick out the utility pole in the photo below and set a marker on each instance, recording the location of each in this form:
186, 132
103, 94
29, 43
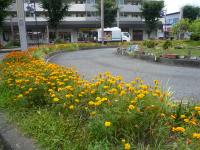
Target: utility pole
118, 13
21, 24
102, 21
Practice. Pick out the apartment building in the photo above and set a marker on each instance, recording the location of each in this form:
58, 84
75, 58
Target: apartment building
169, 20
80, 23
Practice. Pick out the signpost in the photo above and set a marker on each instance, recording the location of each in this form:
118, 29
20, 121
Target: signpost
21, 24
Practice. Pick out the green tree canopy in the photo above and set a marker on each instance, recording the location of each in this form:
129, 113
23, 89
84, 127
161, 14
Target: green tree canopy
191, 12
195, 26
3, 13
56, 10
151, 11
181, 27
110, 11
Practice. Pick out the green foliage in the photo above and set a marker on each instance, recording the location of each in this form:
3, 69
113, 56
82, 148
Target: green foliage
56, 10
12, 44
191, 12
110, 11
3, 13
195, 26
167, 44
151, 11
181, 27
195, 36
150, 43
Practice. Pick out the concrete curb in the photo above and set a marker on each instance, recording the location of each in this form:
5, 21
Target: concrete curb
168, 61
50, 55
11, 137
9, 50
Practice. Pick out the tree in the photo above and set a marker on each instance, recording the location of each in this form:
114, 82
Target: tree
181, 27
195, 29
191, 12
151, 11
110, 11
3, 13
56, 10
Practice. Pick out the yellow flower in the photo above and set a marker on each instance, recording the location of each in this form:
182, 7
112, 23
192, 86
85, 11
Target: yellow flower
186, 120
77, 101
197, 108
162, 115
98, 98
173, 116
56, 99
107, 124
68, 95
122, 93
178, 129
93, 113
131, 107
30, 89
20, 96
106, 87
123, 140
196, 135
53, 95
199, 112
71, 107
91, 103
183, 116
140, 96
127, 146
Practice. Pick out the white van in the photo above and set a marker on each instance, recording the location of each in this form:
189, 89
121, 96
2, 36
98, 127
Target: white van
113, 35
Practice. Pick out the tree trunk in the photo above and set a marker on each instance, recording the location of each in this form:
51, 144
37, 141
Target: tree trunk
149, 35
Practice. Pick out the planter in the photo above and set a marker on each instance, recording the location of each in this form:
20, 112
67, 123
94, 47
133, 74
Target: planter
181, 57
193, 57
170, 56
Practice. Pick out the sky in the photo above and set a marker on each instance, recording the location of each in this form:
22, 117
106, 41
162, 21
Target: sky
175, 5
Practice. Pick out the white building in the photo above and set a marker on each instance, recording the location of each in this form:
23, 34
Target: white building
170, 20
79, 24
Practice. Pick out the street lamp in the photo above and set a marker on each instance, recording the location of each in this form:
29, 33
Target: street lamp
21, 24
32, 10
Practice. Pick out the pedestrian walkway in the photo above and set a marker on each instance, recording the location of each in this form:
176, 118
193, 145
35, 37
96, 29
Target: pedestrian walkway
11, 137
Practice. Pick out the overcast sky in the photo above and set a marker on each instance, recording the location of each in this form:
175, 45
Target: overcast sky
175, 5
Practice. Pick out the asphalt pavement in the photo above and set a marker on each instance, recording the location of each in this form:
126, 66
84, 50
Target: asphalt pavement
184, 82
1, 55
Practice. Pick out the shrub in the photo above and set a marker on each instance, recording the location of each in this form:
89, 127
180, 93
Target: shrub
195, 36
150, 44
59, 41
12, 44
167, 44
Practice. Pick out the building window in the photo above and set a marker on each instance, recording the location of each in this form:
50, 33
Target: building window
80, 1
91, 14
90, 1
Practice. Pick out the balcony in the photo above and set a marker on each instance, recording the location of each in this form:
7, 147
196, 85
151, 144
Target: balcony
67, 19
77, 7
132, 19
130, 8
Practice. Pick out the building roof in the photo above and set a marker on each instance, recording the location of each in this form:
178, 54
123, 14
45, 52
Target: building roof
173, 13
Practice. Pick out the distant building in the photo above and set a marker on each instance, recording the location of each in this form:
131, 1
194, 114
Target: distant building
79, 24
169, 20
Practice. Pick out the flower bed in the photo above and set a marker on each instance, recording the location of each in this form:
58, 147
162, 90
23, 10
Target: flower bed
61, 110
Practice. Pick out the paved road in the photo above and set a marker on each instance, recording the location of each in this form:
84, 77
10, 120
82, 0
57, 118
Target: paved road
183, 81
1, 55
